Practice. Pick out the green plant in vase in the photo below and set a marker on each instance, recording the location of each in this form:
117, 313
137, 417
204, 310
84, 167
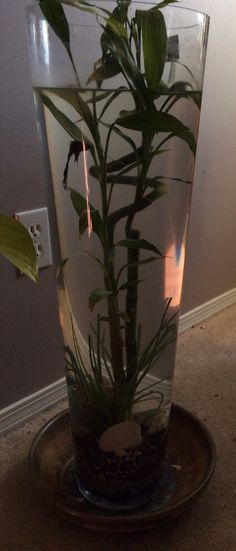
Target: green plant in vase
106, 396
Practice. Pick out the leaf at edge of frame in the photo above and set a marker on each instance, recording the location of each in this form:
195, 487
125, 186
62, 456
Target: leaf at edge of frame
16, 245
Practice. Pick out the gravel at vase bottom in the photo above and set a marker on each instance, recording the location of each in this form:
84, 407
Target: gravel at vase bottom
119, 476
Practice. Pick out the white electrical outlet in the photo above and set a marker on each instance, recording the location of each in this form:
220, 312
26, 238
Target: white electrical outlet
37, 224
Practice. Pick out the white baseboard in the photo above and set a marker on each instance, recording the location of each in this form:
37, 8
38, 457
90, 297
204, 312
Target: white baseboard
21, 411
206, 310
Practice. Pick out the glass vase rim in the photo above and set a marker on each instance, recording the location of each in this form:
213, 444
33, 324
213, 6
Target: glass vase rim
32, 5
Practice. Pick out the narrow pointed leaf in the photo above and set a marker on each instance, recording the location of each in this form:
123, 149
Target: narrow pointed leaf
78, 201
157, 121
16, 245
109, 69
121, 52
73, 97
97, 224
130, 284
138, 244
96, 296
54, 14
80, 206
64, 121
165, 3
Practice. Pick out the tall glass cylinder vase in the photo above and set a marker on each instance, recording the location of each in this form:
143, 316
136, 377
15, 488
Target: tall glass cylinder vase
121, 85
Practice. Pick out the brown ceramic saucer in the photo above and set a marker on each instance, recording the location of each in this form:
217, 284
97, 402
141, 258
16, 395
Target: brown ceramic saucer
191, 463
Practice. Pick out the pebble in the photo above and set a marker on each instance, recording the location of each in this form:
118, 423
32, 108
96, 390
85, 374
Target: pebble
121, 437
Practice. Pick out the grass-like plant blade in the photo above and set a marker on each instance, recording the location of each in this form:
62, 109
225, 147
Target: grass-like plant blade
16, 245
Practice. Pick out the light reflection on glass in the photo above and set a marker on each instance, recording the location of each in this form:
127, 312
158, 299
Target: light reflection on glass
45, 41
90, 226
174, 267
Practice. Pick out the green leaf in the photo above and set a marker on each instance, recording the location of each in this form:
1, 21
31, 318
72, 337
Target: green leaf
80, 206
138, 244
64, 121
130, 284
78, 201
154, 39
109, 69
165, 3
17, 246
73, 97
54, 14
96, 296
97, 224
151, 120
185, 89
119, 47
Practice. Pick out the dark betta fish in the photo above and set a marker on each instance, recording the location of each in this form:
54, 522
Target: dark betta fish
75, 149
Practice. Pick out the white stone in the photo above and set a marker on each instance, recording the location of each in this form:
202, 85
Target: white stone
122, 436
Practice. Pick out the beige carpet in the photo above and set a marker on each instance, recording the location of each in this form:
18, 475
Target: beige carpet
205, 384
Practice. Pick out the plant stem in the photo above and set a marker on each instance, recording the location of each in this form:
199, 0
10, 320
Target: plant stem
116, 341
132, 271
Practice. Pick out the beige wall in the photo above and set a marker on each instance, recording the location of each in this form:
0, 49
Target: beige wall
211, 259
30, 345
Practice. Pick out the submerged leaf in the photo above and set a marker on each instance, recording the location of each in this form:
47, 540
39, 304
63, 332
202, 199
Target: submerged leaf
97, 224
119, 47
151, 120
108, 69
80, 206
96, 296
75, 149
75, 99
64, 121
138, 244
